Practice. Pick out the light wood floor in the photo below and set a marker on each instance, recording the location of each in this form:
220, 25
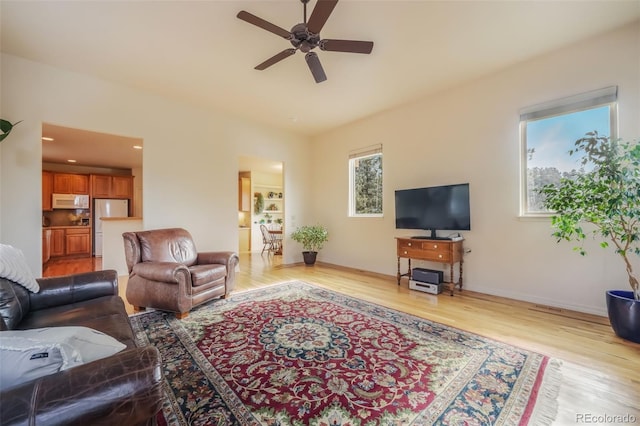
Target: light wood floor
601, 373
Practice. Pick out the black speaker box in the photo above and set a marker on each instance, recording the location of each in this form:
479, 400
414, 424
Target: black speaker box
431, 276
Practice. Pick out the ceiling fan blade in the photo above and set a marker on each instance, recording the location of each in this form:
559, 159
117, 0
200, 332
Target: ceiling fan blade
316, 68
275, 58
352, 46
259, 22
320, 15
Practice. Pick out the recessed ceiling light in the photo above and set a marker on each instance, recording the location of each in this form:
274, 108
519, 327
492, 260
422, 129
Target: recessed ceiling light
71, 161
48, 139
137, 147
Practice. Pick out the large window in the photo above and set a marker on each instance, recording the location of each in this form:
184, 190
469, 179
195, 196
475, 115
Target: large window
365, 182
548, 133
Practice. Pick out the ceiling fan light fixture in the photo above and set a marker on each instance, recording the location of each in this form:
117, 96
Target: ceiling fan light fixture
305, 46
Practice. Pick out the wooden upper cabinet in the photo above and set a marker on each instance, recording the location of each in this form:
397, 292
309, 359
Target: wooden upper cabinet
47, 190
61, 183
68, 183
122, 187
107, 186
80, 184
100, 186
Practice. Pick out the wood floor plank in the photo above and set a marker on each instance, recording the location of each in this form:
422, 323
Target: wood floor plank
600, 372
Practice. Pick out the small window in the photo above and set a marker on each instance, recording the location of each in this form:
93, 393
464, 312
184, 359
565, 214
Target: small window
549, 131
365, 182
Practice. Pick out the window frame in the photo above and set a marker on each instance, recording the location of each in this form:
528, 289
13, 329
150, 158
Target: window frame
583, 102
368, 152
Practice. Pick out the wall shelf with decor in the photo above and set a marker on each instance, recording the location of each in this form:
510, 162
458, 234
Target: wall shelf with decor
268, 209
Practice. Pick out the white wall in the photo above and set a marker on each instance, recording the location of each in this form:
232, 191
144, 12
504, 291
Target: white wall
470, 134
465, 134
190, 160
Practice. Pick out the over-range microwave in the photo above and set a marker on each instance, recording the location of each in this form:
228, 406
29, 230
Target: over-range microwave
70, 201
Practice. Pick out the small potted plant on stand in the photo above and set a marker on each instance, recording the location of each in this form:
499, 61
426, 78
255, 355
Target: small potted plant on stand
312, 239
608, 198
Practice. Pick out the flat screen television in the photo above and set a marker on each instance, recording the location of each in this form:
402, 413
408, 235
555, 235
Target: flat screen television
434, 208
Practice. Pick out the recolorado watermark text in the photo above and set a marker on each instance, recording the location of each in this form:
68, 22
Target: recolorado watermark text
603, 419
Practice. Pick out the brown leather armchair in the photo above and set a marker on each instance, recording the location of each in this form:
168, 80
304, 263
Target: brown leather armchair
167, 273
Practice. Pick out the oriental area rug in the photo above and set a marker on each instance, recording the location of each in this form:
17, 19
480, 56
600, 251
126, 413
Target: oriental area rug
298, 354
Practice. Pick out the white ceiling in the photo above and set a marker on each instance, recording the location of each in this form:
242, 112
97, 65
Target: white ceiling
199, 52
90, 149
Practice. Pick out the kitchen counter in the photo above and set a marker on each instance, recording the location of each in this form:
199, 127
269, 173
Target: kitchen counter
66, 227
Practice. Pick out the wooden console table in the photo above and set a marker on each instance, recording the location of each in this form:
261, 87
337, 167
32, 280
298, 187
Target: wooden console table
441, 251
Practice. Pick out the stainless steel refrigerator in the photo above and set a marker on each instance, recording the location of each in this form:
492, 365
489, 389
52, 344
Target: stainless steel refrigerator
106, 208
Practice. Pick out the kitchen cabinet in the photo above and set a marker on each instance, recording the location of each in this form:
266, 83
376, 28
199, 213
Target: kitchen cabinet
244, 239
244, 194
70, 241
57, 242
46, 245
47, 190
77, 242
106, 186
69, 183
100, 186
122, 187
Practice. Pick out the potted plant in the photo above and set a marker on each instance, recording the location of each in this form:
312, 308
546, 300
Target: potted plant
606, 196
312, 239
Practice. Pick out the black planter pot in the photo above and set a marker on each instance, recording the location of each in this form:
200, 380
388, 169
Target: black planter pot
309, 257
624, 314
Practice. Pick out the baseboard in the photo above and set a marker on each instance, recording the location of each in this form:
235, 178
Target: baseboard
537, 304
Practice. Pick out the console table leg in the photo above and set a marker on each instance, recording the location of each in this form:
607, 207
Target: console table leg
399, 270
453, 283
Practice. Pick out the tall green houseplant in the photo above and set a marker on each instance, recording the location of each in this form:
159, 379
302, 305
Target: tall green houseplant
606, 196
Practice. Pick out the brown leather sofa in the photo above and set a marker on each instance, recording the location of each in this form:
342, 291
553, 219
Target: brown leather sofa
167, 273
125, 388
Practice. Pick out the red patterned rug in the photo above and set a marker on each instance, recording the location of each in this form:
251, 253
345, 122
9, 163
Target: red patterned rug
297, 354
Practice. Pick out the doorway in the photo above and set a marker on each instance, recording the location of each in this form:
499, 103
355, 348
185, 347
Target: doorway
264, 180
87, 164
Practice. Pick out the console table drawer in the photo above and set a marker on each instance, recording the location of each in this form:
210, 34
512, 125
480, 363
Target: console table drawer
437, 246
436, 256
415, 253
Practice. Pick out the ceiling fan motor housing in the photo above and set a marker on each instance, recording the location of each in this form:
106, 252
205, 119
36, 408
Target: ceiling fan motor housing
302, 39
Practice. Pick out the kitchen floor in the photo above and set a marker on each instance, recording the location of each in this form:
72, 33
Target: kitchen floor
66, 266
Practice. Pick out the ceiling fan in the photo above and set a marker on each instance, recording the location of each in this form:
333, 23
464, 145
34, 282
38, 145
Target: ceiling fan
306, 37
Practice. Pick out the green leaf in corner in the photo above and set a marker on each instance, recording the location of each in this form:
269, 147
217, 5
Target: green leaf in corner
6, 128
